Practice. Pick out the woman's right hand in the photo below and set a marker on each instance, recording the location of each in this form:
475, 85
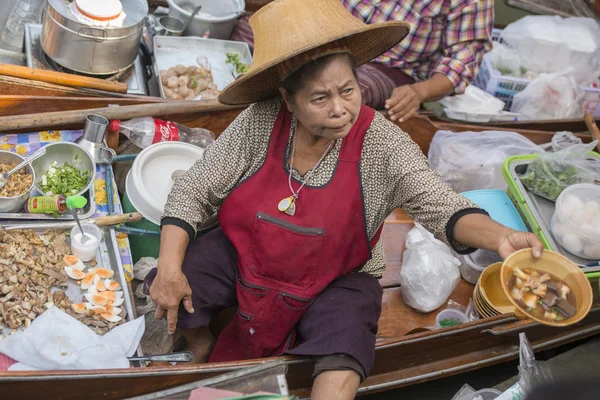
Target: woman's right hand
169, 289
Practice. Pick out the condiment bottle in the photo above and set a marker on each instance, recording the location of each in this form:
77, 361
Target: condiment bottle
53, 204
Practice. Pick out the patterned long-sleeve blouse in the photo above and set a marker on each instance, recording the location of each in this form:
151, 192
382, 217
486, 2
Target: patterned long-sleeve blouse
394, 173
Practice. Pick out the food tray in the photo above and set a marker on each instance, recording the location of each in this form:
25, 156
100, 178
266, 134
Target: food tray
107, 257
172, 50
536, 210
85, 213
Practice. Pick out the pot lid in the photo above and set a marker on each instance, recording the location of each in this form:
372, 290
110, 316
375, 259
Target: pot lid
135, 12
151, 177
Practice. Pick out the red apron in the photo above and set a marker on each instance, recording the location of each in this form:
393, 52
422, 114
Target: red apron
286, 261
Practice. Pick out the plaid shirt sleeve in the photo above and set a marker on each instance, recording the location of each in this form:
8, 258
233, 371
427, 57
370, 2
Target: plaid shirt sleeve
467, 39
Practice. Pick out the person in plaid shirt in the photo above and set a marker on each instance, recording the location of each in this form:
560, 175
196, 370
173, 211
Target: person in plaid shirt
439, 57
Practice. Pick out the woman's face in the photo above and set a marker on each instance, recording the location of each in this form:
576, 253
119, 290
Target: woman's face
328, 105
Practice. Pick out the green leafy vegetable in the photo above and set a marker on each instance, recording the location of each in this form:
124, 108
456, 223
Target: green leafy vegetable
65, 179
193, 82
548, 178
234, 59
448, 322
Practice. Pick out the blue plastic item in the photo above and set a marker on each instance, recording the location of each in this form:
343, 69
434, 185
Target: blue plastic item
499, 206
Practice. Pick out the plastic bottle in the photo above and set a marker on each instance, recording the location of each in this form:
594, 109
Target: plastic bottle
54, 204
23, 12
146, 131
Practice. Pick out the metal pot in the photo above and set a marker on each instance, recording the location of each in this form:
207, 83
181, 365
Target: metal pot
217, 19
15, 204
89, 49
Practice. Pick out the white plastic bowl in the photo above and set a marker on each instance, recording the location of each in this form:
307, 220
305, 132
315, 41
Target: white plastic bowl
472, 265
450, 313
576, 220
86, 251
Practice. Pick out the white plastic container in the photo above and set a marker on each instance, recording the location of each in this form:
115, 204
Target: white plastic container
450, 313
86, 251
472, 265
576, 220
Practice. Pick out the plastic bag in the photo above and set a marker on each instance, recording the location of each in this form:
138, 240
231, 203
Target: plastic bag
550, 44
532, 373
506, 60
473, 160
562, 140
429, 272
551, 173
550, 96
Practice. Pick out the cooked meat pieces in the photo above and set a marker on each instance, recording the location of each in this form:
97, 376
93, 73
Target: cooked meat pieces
18, 183
181, 82
31, 265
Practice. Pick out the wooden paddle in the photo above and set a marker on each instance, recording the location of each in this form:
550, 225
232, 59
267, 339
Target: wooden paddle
61, 78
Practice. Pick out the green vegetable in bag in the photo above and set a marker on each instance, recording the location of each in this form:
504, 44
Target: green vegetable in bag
551, 173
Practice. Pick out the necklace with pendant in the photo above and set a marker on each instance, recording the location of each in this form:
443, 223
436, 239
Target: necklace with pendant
288, 204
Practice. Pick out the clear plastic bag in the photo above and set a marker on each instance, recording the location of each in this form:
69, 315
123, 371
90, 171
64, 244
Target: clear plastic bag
551, 173
506, 60
473, 160
550, 96
429, 272
532, 373
550, 44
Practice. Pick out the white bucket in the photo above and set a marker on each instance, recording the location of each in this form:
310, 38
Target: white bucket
151, 176
209, 19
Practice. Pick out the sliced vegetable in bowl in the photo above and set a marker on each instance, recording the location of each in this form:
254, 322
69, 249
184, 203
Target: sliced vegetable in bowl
64, 179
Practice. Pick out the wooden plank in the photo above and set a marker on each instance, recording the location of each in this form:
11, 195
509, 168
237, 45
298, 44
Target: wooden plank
19, 105
61, 119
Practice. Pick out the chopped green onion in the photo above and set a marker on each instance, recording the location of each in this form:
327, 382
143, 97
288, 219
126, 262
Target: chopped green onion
65, 179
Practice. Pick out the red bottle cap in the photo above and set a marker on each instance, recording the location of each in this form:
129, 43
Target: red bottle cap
114, 125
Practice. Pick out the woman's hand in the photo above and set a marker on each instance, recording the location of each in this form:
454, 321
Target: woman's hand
481, 232
168, 290
171, 286
515, 240
404, 103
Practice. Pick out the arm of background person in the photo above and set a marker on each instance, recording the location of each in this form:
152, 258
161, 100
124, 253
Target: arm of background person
467, 39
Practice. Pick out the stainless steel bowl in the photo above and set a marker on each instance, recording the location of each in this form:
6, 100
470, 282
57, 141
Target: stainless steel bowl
14, 204
64, 152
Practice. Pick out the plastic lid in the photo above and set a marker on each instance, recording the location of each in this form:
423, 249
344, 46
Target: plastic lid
101, 11
501, 209
76, 202
114, 125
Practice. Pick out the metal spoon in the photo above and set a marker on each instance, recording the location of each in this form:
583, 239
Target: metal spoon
185, 25
84, 237
4, 176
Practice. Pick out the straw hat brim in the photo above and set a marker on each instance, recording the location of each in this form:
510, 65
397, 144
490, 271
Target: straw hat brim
365, 44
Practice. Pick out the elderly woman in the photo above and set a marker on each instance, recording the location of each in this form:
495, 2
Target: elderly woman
302, 181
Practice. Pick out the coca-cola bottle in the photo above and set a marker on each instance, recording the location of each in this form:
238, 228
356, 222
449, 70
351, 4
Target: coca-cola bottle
146, 131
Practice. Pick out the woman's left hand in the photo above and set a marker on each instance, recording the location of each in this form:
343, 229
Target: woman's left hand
515, 240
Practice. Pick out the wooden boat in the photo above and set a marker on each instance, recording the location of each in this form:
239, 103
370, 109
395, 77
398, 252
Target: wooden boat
406, 353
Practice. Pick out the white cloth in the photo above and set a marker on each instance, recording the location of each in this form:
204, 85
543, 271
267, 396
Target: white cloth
55, 340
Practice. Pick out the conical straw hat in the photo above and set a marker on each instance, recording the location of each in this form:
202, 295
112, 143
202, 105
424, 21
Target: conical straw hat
289, 33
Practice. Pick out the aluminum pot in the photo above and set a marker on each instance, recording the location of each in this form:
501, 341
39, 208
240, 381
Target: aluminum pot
15, 204
92, 50
217, 18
